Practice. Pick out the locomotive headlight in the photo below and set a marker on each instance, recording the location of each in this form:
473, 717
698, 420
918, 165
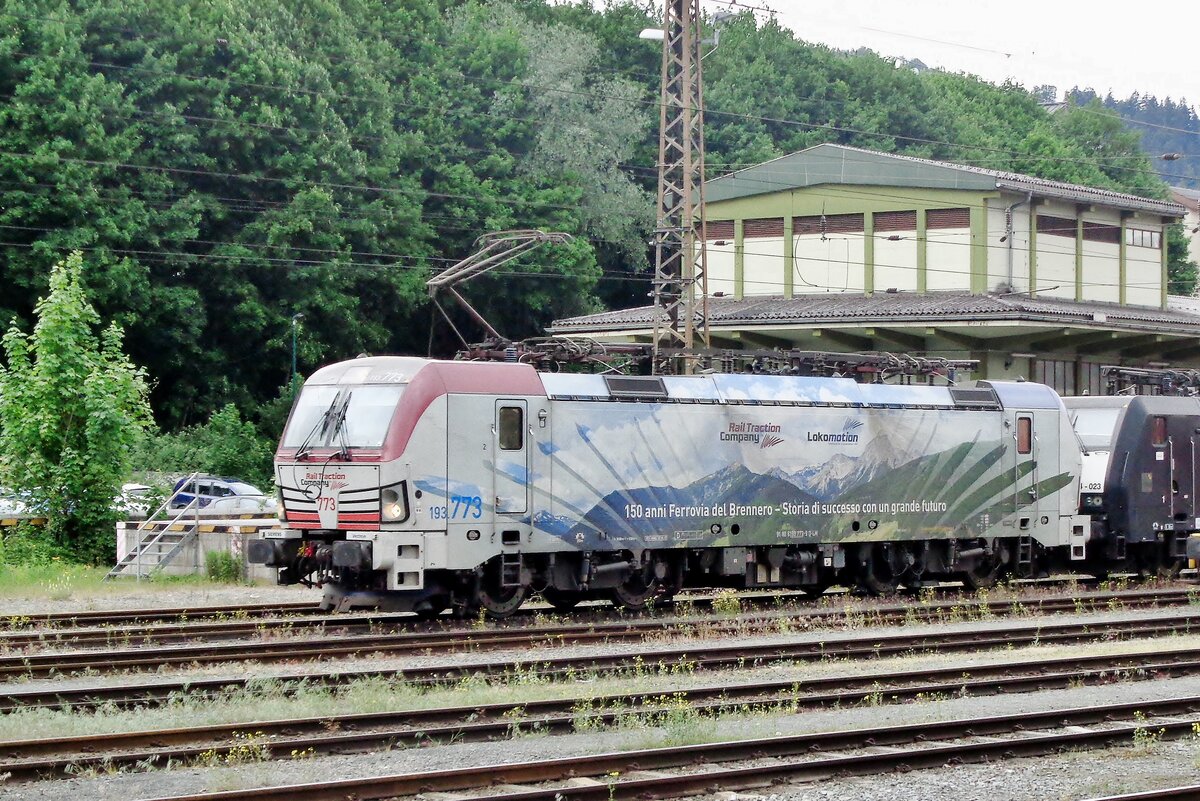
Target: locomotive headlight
394, 503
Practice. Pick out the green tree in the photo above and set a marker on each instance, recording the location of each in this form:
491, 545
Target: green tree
71, 407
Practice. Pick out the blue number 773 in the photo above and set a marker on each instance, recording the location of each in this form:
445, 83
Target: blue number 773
466, 506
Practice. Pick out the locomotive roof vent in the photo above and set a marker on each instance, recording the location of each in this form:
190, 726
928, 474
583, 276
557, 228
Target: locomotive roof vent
975, 397
649, 387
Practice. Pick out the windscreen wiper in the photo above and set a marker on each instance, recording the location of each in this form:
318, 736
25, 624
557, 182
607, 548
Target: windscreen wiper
339, 427
320, 427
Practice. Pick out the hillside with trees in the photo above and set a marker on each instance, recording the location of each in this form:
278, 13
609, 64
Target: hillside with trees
223, 166
1165, 127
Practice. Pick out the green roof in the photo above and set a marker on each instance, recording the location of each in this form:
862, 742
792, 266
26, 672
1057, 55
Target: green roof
839, 164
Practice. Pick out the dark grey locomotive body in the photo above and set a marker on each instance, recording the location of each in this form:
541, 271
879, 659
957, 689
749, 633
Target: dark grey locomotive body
1140, 476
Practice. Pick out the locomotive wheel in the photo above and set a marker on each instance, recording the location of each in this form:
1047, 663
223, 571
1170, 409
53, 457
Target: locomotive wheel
495, 600
983, 575
432, 610
500, 603
816, 590
986, 571
1154, 561
1171, 568
635, 594
878, 575
562, 600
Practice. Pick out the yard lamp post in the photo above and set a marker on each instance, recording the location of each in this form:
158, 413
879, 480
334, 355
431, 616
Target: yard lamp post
296, 318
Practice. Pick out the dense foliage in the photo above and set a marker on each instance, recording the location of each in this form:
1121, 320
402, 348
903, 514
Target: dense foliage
1165, 127
226, 445
71, 406
225, 165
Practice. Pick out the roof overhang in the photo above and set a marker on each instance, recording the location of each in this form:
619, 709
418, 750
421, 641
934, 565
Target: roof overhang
936, 323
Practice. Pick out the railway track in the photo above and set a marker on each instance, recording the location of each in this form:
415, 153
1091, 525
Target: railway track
749, 764
216, 625
694, 656
105, 627
288, 649
230, 622
1189, 792
27, 760
114, 617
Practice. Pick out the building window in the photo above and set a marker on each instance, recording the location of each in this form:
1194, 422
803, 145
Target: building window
1058, 374
1091, 380
759, 229
828, 224
1099, 232
895, 221
1056, 226
1141, 238
948, 218
718, 229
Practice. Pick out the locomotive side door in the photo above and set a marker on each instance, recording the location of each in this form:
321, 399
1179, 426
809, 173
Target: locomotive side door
511, 448
1026, 503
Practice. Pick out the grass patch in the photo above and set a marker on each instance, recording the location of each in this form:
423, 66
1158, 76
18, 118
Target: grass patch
54, 580
57, 580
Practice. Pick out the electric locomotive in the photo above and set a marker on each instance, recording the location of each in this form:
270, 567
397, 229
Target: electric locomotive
1139, 480
420, 485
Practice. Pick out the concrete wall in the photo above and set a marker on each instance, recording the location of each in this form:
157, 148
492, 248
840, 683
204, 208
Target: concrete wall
1007, 237
1001, 250
834, 264
896, 261
720, 267
948, 259
191, 559
763, 266
1143, 265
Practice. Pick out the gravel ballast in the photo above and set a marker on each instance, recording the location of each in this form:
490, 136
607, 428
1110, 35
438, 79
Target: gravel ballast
1067, 776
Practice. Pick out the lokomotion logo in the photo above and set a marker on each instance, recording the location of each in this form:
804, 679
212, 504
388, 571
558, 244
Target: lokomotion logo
764, 435
849, 432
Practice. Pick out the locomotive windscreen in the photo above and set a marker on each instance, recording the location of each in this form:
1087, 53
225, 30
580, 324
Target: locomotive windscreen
1096, 426
331, 415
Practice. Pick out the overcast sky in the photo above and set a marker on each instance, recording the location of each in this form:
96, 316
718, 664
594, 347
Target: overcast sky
1122, 47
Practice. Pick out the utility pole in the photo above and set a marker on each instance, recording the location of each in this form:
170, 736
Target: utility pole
680, 280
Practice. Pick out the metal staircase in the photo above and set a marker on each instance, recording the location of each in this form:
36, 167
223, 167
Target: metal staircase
161, 537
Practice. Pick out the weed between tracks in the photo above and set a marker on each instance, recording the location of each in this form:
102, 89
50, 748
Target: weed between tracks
267, 700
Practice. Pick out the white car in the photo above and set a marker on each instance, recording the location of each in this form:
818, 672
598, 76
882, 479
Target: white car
10, 503
222, 495
134, 499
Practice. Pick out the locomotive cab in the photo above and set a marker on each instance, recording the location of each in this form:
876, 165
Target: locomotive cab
364, 470
1140, 476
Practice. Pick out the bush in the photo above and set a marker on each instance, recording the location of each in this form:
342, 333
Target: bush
27, 545
226, 445
222, 566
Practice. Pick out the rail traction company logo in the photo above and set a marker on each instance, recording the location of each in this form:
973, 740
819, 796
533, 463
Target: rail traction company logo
331, 481
764, 435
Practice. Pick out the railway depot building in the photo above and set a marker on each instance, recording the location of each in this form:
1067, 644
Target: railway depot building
841, 249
